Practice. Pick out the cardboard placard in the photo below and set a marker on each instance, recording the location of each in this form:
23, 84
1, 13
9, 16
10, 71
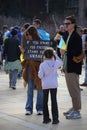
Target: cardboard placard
34, 49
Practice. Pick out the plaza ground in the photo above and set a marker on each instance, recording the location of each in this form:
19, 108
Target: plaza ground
12, 107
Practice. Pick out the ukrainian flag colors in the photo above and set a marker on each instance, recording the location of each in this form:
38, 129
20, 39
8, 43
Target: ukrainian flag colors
21, 57
62, 44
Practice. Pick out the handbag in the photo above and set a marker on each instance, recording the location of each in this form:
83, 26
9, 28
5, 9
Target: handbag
79, 58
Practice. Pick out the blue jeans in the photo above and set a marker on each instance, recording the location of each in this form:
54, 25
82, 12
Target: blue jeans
85, 80
30, 94
13, 77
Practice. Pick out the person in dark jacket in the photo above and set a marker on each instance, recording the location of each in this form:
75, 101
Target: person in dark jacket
71, 68
12, 55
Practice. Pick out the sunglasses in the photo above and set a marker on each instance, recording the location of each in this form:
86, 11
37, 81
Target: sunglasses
67, 23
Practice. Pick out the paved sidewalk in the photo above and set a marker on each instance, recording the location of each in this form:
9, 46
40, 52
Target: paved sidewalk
12, 108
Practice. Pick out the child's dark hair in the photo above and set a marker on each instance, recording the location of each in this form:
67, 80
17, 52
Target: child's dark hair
49, 53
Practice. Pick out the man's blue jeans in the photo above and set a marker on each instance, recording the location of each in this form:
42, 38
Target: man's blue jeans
30, 94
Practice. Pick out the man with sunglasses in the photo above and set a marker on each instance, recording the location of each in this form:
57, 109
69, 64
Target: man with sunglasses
71, 68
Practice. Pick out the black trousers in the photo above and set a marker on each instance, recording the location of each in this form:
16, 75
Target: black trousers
54, 106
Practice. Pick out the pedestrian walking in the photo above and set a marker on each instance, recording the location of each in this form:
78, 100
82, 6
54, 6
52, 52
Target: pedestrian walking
12, 58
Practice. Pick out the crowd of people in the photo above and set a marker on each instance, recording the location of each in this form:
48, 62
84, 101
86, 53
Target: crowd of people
43, 74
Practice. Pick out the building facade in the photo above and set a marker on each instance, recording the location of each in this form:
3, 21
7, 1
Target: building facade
79, 8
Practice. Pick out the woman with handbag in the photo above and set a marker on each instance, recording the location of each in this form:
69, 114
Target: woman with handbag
72, 67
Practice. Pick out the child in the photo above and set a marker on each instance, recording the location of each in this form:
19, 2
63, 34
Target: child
48, 75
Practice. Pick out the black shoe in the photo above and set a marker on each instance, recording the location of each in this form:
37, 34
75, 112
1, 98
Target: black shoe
47, 121
55, 122
84, 84
14, 88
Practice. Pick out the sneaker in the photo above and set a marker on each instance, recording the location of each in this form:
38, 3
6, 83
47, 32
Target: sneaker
47, 121
74, 115
67, 112
28, 113
55, 122
39, 112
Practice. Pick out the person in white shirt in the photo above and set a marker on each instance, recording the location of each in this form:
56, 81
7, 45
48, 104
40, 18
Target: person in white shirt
49, 78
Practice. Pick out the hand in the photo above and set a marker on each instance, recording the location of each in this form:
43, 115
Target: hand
57, 37
22, 49
62, 51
